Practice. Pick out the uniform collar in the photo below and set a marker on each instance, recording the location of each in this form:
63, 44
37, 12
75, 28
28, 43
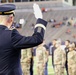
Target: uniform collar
2, 27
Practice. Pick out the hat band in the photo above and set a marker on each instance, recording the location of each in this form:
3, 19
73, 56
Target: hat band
7, 13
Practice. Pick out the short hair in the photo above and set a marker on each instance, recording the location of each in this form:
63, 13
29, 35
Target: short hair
55, 39
68, 41
58, 41
74, 43
71, 45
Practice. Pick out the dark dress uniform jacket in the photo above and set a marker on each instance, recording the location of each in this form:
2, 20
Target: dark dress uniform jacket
53, 49
11, 43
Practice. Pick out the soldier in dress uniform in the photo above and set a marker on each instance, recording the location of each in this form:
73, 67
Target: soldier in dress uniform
41, 58
25, 60
52, 48
11, 41
67, 43
71, 60
59, 59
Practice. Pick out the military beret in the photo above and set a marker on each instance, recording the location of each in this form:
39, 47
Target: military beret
7, 9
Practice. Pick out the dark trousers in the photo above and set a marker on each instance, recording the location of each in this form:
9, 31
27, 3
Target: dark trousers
46, 70
66, 67
31, 67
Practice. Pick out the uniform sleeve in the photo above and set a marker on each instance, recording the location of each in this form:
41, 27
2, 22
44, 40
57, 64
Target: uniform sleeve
63, 58
23, 55
21, 42
45, 55
29, 53
75, 57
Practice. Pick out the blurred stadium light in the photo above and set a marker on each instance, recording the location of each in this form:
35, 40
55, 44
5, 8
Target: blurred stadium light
22, 22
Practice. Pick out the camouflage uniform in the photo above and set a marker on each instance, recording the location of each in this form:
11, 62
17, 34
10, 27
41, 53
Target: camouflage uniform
25, 61
41, 57
72, 62
59, 61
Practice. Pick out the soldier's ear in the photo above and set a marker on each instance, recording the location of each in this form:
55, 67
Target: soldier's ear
10, 19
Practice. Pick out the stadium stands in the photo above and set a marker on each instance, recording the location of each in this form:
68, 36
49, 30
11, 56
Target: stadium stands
51, 33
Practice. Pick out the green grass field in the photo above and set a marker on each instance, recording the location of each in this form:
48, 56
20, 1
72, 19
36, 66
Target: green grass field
50, 68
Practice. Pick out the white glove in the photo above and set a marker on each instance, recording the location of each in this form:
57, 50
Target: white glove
37, 11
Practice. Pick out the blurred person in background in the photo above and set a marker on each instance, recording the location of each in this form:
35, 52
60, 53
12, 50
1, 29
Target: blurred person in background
67, 43
52, 49
26, 56
41, 58
71, 60
59, 59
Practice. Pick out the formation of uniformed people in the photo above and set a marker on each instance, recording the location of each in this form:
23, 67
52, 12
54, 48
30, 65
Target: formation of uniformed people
59, 59
60, 56
63, 56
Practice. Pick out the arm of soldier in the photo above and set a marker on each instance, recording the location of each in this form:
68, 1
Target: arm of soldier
19, 41
45, 56
29, 54
50, 50
26, 60
23, 55
75, 56
63, 57
37, 54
